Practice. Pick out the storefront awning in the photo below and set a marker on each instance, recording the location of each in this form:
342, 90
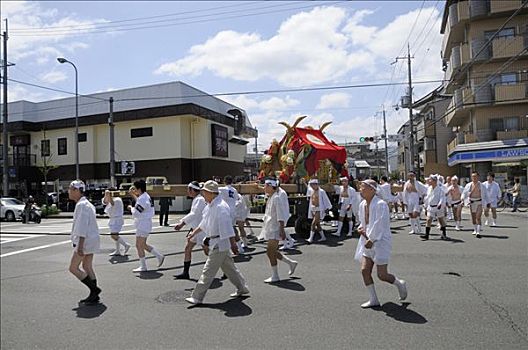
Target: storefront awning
361, 164
507, 164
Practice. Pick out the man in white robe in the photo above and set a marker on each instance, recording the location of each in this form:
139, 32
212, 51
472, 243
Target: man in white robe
413, 190
435, 201
319, 204
347, 204
273, 228
454, 194
375, 243
494, 194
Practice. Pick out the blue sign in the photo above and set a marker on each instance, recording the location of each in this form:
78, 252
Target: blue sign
502, 154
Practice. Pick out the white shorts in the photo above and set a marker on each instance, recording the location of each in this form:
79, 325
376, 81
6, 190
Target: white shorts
493, 203
457, 204
140, 233
379, 257
413, 207
434, 213
473, 206
115, 228
313, 211
198, 239
343, 212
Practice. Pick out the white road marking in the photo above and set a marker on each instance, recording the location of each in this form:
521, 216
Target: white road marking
34, 248
7, 238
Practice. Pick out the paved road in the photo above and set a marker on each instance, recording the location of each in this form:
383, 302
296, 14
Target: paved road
468, 293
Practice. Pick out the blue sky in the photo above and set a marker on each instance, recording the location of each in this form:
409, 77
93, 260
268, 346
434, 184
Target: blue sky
234, 46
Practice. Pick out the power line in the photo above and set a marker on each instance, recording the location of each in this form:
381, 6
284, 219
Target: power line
96, 31
56, 90
425, 25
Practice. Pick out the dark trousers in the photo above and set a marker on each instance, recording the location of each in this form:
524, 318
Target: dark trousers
164, 214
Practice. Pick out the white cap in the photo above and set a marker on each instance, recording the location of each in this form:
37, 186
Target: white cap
313, 181
271, 182
78, 184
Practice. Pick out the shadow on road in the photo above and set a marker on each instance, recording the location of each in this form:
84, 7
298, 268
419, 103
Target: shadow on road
402, 313
149, 275
118, 259
231, 308
494, 236
90, 311
289, 284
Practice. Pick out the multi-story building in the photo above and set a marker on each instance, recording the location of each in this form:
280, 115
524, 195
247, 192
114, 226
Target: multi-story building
404, 154
170, 129
432, 134
485, 54
363, 159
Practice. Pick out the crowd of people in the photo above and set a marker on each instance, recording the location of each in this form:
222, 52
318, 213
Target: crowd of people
218, 215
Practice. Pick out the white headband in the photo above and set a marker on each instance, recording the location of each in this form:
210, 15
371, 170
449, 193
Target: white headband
313, 181
271, 182
343, 178
78, 184
193, 186
366, 182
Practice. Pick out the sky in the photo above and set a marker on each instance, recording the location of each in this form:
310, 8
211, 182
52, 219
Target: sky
250, 47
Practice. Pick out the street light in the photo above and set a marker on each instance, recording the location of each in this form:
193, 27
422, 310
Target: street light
63, 60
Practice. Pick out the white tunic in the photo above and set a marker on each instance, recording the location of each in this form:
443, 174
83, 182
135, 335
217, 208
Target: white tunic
377, 230
143, 212
115, 213
85, 225
494, 193
218, 224
242, 208
230, 195
276, 210
324, 203
353, 198
385, 192
194, 217
435, 197
483, 193
450, 198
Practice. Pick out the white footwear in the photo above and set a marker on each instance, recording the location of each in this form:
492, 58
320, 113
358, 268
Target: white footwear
474, 232
486, 223
457, 228
323, 237
349, 234
311, 239
115, 253
336, 233
127, 248
402, 289
370, 303
239, 293
493, 223
293, 266
161, 259
334, 224
272, 279
140, 269
411, 232
193, 301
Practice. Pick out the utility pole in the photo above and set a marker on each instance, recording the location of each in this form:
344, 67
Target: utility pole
256, 152
376, 140
112, 143
409, 104
385, 138
5, 141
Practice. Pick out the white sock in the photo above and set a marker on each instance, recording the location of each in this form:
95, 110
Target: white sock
117, 245
274, 272
475, 228
322, 234
478, 228
339, 226
287, 260
155, 252
143, 263
312, 234
122, 242
244, 239
372, 293
350, 226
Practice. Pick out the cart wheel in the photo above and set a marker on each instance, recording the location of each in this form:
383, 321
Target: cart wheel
302, 227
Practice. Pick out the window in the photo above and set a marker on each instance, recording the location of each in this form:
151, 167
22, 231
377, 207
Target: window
219, 140
82, 137
508, 79
504, 33
45, 148
141, 132
511, 123
62, 146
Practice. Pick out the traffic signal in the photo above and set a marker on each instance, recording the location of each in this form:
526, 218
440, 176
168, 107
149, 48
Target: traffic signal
366, 139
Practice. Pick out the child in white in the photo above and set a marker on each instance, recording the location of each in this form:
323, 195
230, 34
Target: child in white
143, 212
375, 242
114, 210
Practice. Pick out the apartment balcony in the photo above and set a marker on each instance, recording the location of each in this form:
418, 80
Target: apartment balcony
511, 93
452, 145
511, 135
481, 135
459, 107
504, 5
454, 31
507, 47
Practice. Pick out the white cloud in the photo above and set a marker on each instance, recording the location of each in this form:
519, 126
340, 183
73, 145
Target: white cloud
53, 77
334, 100
271, 104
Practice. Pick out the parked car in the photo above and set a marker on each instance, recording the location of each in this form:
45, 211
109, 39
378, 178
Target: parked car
11, 209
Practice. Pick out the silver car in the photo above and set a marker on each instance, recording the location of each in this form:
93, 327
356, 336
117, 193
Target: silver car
11, 209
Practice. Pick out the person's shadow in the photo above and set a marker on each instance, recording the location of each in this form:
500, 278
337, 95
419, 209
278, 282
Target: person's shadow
119, 259
90, 311
402, 313
231, 308
149, 275
289, 284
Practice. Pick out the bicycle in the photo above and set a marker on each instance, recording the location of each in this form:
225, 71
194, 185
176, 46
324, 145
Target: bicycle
507, 202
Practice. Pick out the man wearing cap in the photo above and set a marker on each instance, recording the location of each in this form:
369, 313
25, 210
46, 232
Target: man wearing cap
273, 228
220, 237
348, 205
114, 210
319, 204
413, 190
143, 211
85, 240
475, 196
193, 220
454, 193
494, 194
375, 242
435, 201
